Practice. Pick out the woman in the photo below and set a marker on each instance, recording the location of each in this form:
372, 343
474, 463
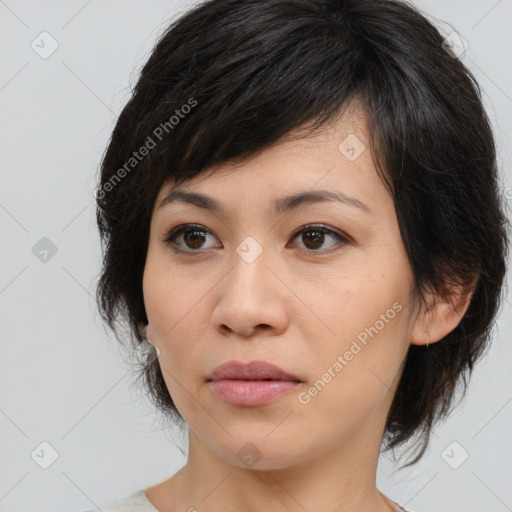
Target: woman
299, 210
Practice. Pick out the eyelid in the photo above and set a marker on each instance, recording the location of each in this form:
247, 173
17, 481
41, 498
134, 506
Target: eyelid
184, 227
322, 227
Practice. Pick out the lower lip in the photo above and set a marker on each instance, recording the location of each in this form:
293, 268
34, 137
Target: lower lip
251, 392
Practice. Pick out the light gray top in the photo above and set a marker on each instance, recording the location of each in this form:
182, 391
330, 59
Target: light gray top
138, 502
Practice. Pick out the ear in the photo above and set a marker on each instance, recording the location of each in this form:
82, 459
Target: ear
440, 315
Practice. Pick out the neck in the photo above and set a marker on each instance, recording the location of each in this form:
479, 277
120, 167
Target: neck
339, 480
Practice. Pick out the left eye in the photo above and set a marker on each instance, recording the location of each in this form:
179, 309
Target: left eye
316, 236
194, 236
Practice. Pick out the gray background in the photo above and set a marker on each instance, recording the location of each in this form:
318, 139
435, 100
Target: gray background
63, 380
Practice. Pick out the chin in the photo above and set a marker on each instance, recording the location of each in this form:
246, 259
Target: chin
260, 452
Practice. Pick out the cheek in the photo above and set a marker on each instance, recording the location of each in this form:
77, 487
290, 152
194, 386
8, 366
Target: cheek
355, 376
378, 291
367, 310
168, 295
166, 311
356, 302
177, 311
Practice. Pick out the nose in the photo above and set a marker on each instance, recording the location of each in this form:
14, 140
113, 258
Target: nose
252, 299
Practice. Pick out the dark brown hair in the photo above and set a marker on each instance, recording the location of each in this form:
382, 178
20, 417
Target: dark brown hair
231, 77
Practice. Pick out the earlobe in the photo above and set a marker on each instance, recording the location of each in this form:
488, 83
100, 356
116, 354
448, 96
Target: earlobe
148, 331
440, 316
420, 333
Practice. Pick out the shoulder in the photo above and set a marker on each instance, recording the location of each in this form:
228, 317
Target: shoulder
400, 508
136, 502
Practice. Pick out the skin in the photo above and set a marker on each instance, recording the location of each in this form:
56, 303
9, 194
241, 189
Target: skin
294, 308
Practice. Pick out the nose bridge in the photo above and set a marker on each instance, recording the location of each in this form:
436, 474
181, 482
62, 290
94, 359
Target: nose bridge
250, 272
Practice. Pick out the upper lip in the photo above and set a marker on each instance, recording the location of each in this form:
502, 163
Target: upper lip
254, 370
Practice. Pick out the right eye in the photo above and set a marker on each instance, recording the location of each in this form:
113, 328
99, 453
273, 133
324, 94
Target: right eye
194, 236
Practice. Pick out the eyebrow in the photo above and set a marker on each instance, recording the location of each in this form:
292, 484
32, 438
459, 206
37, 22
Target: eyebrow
281, 205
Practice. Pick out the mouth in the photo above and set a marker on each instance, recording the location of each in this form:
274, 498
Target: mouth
253, 384
254, 370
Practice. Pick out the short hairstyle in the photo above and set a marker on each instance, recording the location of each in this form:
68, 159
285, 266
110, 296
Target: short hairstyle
229, 78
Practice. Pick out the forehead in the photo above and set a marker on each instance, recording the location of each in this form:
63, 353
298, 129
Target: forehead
335, 157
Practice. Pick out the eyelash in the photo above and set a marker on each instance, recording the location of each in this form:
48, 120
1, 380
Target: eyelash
175, 232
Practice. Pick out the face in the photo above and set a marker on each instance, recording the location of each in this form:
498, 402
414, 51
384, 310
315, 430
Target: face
322, 289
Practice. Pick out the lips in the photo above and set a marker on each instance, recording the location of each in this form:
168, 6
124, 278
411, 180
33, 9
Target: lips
252, 384
255, 370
